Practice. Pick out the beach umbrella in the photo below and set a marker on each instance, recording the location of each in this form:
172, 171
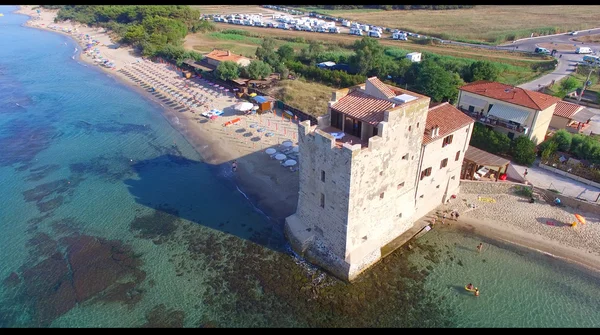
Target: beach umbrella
289, 162
296, 149
243, 106
287, 144
270, 151
280, 157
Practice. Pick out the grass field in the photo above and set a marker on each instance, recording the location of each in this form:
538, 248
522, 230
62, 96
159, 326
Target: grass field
490, 24
232, 9
306, 96
589, 38
516, 67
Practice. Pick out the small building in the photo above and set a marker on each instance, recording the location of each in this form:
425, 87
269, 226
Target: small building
265, 103
507, 109
414, 57
570, 116
215, 58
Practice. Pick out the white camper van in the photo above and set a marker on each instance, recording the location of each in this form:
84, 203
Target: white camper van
583, 50
399, 36
355, 31
374, 33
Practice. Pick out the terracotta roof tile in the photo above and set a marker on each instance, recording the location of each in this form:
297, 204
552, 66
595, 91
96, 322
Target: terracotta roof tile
222, 56
566, 109
510, 94
362, 107
447, 117
383, 88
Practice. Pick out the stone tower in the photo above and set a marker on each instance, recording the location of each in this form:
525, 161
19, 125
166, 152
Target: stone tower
357, 191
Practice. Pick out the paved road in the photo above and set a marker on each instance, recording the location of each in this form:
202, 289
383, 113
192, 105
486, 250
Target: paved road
550, 180
566, 62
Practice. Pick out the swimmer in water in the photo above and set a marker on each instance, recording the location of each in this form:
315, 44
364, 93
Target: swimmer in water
476, 292
480, 247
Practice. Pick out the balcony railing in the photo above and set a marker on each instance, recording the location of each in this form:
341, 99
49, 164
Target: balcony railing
494, 122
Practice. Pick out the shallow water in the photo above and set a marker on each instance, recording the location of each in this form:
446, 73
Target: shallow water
518, 287
109, 218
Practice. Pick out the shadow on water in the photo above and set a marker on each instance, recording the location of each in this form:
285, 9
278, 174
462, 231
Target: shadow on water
177, 187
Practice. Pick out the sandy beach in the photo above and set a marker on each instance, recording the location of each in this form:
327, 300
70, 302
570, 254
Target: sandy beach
271, 188
541, 226
274, 189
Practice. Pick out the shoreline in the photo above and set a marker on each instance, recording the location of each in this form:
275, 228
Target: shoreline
572, 256
266, 194
212, 150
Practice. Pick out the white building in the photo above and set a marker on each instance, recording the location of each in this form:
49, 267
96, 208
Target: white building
414, 56
360, 173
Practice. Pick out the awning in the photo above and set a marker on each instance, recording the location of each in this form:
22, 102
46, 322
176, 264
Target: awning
505, 112
583, 116
485, 158
467, 100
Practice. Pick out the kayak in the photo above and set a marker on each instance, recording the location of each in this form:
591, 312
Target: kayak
470, 290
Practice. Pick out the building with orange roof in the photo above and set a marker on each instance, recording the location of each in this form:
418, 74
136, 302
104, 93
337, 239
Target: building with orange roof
511, 110
216, 56
380, 160
570, 116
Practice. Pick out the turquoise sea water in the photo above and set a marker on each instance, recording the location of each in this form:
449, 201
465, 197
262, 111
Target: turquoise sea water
109, 218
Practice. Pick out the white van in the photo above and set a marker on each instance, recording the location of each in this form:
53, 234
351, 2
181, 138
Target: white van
583, 50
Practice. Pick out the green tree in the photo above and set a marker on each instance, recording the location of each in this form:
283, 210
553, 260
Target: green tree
266, 52
258, 70
523, 150
483, 70
563, 140
282, 70
286, 53
228, 70
437, 83
368, 56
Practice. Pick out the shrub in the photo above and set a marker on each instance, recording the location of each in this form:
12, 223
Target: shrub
563, 139
524, 191
523, 150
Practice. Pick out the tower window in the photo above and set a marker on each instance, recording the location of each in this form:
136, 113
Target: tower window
447, 140
457, 155
409, 128
405, 157
401, 185
417, 124
322, 200
381, 195
322, 175
444, 163
426, 173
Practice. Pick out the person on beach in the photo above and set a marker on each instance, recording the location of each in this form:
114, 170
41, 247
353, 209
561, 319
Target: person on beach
234, 166
479, 247
452, 215
444, 218
525, 173
456, 215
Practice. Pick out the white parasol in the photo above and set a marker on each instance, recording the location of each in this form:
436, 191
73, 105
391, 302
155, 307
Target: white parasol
280, 157
287, 144
296, 149
289, 162
243, 106
270, 151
